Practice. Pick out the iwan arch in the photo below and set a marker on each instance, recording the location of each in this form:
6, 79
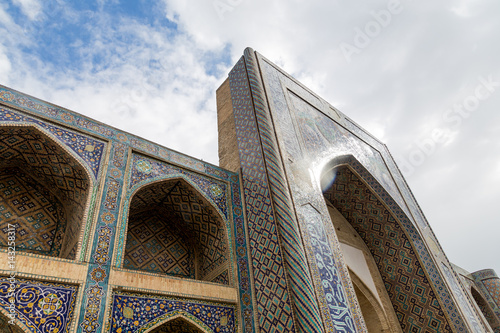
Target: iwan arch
307, 225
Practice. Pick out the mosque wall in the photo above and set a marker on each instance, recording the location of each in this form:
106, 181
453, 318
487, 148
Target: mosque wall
307, 225
68, 187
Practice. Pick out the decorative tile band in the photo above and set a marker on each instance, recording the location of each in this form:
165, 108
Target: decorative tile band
138, 313
306, 307
336, 300
30, 104
92, 314
89, 150
272, 295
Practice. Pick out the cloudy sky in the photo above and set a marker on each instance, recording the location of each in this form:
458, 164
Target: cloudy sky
424, 77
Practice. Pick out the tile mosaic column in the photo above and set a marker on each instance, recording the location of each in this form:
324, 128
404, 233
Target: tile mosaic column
277, 251
94, 299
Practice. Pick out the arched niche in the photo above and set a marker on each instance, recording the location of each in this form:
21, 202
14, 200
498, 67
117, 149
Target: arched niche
44, 193
172, 229
486, 310
9, 326
412, 296
373, 314
368, 284
178, 324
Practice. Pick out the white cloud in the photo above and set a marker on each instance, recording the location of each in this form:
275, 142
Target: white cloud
154, 81
410, 73
30, 8
5, 65
153, 85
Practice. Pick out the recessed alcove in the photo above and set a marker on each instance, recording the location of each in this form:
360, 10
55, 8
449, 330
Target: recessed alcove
43, 193
177, 325
173, 230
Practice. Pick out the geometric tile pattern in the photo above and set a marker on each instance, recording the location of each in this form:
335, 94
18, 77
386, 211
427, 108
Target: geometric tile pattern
178, 325
173, 230
222, 278
39, 156
412, 296
269, 274
305, 305
37, 215
159, 244
138, 313
88, 150
493, 287
43, 307
150, 169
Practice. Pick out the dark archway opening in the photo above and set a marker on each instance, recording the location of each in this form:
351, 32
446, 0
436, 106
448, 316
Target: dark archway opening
7, 327
177, 325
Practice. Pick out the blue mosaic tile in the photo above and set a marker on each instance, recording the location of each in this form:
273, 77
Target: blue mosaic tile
272, 295
44, 307
146, 169
88, 149
138, 313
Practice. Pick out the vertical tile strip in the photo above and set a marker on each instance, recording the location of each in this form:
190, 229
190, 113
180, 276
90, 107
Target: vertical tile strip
306, 307
92, 316
272, 295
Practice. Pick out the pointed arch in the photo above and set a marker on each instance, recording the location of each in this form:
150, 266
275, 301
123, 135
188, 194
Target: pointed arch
485, 309
173, 229
367, 281
410, 277
373, 313
45, 193
6, 325
171, 323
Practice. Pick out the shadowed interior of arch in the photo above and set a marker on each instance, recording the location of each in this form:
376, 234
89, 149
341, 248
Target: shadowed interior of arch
488, 313
174, 230
177, 325
43, 193
7, 327
372, 314
412, 297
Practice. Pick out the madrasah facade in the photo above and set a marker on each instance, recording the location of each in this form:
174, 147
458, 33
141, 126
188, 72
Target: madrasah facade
306, 225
